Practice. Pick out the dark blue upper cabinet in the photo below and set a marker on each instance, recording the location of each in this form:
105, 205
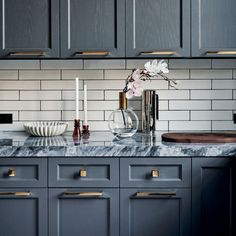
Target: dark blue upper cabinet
92, 28
157, 28
29, 28
213, 28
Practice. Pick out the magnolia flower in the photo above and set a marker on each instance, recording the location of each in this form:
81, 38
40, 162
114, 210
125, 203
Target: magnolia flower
134, 89
153, 68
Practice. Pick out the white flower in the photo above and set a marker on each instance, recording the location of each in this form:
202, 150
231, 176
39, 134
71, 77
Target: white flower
136, 75
154, 67
162, 67
134, 89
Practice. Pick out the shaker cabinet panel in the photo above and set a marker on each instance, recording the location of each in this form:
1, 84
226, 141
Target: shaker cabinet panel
213, 192
29, 28
164, 212
23, 212
83, 212
157, 28
92, 28
213, 28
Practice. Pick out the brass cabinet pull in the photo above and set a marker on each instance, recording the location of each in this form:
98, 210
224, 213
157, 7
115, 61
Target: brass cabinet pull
92, 53
155, 173
11, 172
83, 173
150, 194
84, 194
23, 194
221, 52
158, 53
38, 54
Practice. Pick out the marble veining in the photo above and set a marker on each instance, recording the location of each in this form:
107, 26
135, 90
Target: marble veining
103, 144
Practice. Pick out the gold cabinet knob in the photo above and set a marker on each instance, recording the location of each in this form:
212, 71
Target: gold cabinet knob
82, 173
155, 173
11, 172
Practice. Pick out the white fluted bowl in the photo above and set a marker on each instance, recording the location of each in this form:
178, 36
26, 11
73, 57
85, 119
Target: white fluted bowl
45, 128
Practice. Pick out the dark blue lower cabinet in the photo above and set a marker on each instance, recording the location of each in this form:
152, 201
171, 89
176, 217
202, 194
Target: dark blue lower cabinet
83, 212
23, 212
155, 212
213, 197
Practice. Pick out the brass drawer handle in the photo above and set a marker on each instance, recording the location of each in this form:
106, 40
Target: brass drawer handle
158, 53
83, 173
11, 172
92, 53
37, 54
84, 194
221, 52
150, 194
23, 194
155, 173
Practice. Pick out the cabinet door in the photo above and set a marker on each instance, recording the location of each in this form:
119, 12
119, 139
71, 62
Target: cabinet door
92, 28
213, 208
83, 212
29, 28
213, 28
23, 212
164, 212
157, 28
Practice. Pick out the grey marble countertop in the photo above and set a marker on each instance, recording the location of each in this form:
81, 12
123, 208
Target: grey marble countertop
19, 144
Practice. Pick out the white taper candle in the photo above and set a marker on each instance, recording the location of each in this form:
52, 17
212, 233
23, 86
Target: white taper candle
85, 106
77, 97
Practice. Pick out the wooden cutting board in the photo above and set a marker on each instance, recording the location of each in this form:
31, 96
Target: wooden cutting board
199, 137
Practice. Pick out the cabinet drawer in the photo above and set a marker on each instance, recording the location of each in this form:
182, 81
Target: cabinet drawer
23, 172
77, 172
155, 172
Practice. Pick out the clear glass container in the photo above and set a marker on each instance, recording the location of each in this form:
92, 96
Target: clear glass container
123, 122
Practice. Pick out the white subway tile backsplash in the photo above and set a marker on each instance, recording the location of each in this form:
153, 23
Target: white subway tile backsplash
9, 95
19, 64
39, 74
174, 115
173, 94
83, 74
223, 125
161, 125
224, 105
224, 84
204, 98
19, 85
211, 94
40, 95
117, 74
189, 125
104, 64
105, 84
62, 64
8, 75
39, 115
92, 95
60, 85
211, 74
194, 84
190, 105
19, 105
59, 105
224, 63
16, 126
211, 115
92, 115
189, 63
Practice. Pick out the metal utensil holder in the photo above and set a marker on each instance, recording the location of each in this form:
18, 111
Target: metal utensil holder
150, 111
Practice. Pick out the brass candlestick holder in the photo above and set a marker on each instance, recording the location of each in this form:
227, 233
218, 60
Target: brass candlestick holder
76, 133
